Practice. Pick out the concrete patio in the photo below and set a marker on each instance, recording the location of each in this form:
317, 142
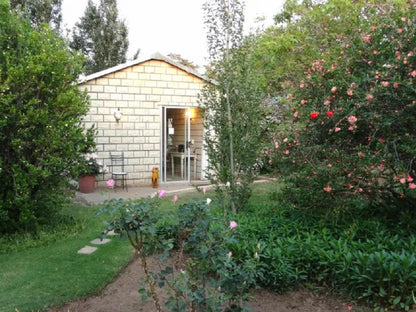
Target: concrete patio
136, 191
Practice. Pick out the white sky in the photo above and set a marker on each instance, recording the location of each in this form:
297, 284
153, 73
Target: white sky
170, 26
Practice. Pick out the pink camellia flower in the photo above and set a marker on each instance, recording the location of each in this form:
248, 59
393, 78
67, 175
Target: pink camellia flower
369, 97
409, 178
204, 190
110, 183
314, 115
327, 188
175, 198
233, 225
303, 101
349, 307
230, 254
162, 193
349, 92
276, 144
413, 74
385, 83
352, 119
337, 129
412, 186
396, 85
296, 114
334, 89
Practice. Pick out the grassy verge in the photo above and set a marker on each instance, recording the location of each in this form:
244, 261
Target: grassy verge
40, 272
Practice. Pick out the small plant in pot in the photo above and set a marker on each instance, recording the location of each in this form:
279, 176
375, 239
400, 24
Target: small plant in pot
89, 169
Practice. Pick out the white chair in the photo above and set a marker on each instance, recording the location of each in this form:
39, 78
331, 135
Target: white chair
117, 169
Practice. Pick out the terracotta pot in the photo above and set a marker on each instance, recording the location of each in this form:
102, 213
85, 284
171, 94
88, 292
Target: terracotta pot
87, 184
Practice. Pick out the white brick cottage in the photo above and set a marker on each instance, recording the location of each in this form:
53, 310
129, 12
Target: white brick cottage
160, 125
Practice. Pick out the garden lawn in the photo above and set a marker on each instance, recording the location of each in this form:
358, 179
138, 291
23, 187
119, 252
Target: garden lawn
48, 271
35, 278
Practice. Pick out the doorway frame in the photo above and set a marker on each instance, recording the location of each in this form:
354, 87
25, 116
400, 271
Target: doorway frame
164, 144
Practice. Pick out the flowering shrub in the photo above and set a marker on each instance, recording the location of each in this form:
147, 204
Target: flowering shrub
354, 121
207, 278
90, 165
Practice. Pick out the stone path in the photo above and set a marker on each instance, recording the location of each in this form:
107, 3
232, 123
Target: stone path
87, 250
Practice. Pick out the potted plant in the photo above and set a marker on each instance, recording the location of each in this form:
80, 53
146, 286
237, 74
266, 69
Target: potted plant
89, 169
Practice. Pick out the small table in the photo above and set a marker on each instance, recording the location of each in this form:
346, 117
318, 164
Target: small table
182, 157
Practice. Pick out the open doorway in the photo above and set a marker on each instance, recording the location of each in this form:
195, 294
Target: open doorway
181, 144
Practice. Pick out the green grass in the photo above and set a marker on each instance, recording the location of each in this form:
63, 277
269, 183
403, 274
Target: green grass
47, 270
44, 271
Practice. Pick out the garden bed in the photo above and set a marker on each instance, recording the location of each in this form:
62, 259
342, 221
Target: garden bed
122, 295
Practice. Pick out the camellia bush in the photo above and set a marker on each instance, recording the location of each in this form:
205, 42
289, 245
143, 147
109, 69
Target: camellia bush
351, 139
41, 135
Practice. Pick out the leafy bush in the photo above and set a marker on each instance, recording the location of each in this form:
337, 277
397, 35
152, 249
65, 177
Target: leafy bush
367, 259
352, 138
41, 136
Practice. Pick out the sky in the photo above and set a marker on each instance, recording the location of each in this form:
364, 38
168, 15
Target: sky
171, 26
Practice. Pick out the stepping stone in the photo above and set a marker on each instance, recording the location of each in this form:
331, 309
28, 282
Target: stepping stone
87, 250
99, 241
111, 233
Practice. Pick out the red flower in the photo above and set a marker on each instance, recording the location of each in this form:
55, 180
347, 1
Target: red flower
314, 115
329, 114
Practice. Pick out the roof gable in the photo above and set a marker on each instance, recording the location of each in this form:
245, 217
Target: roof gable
156, 56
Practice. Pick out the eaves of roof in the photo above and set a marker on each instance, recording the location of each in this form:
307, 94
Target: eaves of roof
156, 56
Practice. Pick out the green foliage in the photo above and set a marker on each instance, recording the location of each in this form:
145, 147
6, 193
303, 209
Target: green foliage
362, 256
40, 132
205, 276
101, 36
351, 138
231, 107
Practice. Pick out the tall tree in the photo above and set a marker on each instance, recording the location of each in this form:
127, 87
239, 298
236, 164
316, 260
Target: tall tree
41, 136
101, 36
40, 11
232, 105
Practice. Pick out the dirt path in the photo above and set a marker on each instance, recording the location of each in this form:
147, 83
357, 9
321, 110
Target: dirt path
121, 295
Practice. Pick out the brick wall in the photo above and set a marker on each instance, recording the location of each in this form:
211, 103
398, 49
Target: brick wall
140, 91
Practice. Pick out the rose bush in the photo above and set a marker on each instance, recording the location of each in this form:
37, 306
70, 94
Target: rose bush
352, 139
